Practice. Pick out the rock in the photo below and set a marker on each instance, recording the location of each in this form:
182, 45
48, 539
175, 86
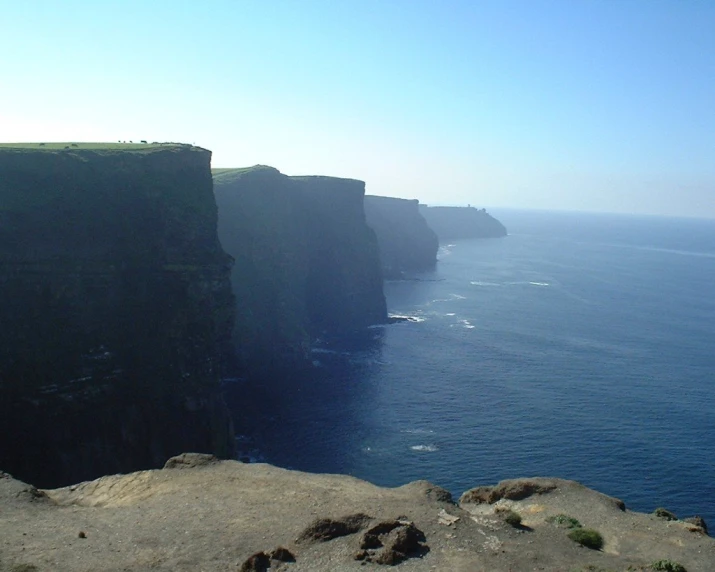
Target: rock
371, 538
517, 489
697, 521
324, 529
665, 514
445, 518
430, 491
190, 461
479, 495
282, 555
390, 542
258, 562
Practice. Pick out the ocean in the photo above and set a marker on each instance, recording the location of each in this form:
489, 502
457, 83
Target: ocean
581, 346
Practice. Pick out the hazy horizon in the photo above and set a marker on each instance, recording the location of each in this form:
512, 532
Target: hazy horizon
593, 106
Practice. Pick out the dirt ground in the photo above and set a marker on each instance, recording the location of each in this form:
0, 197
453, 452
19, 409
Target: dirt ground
203, 515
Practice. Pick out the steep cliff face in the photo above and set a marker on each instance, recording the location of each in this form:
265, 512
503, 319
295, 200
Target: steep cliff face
344, 279
462, 222
405, 241
115, 307
306, 262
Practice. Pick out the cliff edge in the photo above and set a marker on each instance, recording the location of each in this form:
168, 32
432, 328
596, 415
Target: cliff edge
407, 244
115, 307
199, 513
462, 222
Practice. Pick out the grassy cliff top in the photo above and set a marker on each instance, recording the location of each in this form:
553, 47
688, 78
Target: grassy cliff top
228, 175
93, 146
231, 174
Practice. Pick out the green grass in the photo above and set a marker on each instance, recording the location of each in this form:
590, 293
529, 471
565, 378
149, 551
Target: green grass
667, 566
23, 568
661, 512
564, 521
512, 518
228, 175
587, 537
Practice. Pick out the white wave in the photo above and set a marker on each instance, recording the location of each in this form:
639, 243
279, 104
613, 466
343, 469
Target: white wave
481, 283
322, 351
425, 448
406, 318
450, 314
444, 251
466, 324
527, 283
416, 431
457, 297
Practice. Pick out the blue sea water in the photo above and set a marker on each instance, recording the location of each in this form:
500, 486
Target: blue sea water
580, 346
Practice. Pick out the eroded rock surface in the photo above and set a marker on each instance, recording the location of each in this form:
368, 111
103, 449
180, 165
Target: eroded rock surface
228, 515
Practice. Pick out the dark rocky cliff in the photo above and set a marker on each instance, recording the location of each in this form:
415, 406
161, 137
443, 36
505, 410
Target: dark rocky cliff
306, 262
115, 307
405, 241
462, 222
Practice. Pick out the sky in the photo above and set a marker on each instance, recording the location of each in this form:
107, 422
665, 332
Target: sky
594, 105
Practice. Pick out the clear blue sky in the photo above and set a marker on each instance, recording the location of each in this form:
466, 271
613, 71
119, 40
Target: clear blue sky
605, 105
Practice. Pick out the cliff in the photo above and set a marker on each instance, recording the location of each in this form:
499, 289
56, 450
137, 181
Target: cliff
462, 222
201, 514
405, 241
115, 307
306, 262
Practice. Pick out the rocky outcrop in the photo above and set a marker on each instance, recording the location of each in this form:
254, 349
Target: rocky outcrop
405, 241
306, 262
115, 307
462, 222
235, 516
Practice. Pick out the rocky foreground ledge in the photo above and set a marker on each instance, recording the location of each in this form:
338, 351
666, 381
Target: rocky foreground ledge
201, 514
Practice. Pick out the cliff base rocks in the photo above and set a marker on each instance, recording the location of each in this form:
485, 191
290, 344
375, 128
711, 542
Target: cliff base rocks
223, 515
